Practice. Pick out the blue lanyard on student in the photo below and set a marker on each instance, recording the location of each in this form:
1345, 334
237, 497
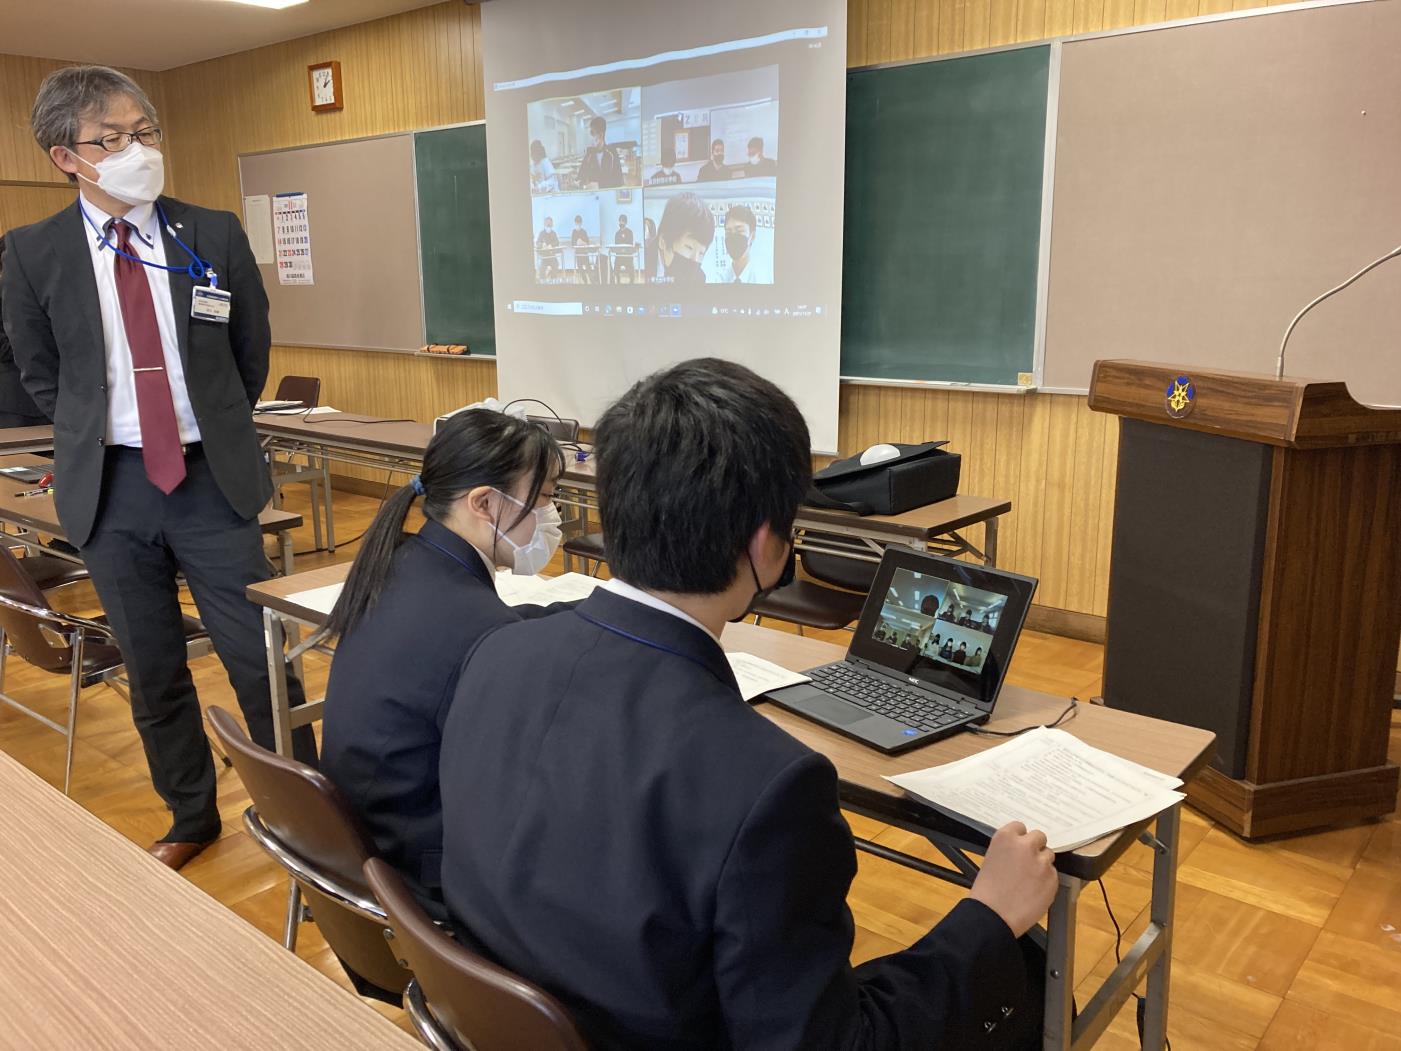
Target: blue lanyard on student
648, 643
198, 269
460, 561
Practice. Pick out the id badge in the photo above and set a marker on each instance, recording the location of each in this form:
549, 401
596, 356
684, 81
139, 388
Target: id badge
211, 304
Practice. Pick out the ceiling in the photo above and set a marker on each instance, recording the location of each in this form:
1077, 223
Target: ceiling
162, 34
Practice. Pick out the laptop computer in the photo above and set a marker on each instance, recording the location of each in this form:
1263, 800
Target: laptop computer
928, 657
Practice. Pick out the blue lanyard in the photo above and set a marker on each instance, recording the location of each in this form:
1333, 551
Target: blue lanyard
198, 269
649, 643
460, 561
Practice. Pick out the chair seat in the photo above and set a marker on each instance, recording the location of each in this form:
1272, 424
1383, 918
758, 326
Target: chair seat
50, 571
101, 658
589, 546
812, 605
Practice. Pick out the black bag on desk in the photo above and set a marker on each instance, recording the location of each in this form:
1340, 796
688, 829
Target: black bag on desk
919, 475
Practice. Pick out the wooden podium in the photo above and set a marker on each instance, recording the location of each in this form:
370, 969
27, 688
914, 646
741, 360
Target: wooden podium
1255, 585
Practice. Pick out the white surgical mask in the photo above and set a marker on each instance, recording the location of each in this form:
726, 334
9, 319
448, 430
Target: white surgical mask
533, 556
134, 176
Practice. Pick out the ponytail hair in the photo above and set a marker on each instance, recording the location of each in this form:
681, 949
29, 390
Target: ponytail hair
473, 448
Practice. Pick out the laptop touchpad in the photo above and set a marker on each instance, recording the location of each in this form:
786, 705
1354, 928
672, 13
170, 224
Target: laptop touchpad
825, 706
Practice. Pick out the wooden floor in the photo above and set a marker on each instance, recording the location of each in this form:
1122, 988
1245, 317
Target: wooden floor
1291, 944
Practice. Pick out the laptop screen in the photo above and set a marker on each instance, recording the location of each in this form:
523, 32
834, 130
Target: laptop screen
950, 624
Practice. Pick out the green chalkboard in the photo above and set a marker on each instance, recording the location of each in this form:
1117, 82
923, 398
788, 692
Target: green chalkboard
944, 169
454, 237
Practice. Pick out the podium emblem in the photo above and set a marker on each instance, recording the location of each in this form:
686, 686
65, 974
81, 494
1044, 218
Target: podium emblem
1181, 396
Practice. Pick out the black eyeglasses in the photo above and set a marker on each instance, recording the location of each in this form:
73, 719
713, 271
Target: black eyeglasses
120, 140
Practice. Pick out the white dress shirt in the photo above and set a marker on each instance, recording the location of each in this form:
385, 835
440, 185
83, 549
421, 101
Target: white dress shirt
625, 590
123, 422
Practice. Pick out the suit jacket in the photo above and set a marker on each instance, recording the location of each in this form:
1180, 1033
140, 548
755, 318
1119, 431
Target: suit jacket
392, 680
622, 828
52, 316
17, 408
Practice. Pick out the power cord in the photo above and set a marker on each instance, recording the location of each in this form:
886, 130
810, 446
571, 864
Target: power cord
1118, 959
1070, 711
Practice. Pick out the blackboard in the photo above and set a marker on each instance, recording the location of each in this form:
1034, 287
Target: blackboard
945, 163
454, 232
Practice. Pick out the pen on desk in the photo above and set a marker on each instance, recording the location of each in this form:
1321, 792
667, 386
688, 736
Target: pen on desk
37, 492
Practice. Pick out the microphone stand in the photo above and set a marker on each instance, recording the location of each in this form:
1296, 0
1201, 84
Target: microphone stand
1279, 364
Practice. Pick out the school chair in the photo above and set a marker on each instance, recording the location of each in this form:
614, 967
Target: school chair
457, 1000
811, 604
306, 825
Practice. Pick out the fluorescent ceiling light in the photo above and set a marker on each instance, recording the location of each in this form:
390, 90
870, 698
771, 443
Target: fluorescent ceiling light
276, 5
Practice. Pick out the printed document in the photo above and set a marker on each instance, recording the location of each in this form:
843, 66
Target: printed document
757, 676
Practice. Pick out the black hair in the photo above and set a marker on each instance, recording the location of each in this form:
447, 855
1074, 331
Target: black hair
744, 214
473, 448
537, 150
757, 141
598, 126
686, 214
579, 219
691, 461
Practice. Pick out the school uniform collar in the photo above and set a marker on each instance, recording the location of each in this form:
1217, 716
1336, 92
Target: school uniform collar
660, 627
436, 535
626, 590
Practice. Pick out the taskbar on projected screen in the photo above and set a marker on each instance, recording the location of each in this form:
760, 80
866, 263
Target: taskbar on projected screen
659, 310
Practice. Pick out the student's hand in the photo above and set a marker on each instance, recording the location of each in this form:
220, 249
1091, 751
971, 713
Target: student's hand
1018, 877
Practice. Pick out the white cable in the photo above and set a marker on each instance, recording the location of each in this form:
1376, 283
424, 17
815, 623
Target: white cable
1279, 363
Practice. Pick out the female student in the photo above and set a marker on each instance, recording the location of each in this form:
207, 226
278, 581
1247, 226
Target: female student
414, 605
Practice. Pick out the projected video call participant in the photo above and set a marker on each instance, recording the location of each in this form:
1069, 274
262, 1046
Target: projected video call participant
583, 258
542, 173
547, 250
742, 268
946, 651
625, 252
601, 170
715, 169
683, 235
666, 175
961, 655
758, 163
976, 660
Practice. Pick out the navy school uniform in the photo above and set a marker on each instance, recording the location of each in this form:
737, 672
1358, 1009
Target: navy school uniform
392, 680
622, 828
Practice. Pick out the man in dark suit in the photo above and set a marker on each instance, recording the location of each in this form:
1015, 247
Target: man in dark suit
157, 462
622, 828
17, 408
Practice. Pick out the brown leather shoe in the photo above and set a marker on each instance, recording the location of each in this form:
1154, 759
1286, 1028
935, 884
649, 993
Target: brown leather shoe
176, 855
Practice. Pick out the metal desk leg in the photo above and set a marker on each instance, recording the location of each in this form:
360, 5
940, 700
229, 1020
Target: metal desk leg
1161, 913
1060, 965
284, 541
275, 639
990, 541
294, 915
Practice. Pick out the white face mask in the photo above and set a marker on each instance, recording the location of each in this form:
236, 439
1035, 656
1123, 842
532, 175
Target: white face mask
134, 176
532, 557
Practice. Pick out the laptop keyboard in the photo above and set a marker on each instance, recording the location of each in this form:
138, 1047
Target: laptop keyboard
913, 708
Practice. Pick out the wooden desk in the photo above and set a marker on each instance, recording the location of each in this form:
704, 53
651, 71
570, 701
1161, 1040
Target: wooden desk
26, 439
37, 514
107, 948
398, 447
1178, 750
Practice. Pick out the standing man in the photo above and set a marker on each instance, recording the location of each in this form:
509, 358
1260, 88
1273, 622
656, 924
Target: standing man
547, 249
601, 169
140, 325
624, 250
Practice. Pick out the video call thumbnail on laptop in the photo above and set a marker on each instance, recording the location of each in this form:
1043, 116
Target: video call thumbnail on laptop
928, 657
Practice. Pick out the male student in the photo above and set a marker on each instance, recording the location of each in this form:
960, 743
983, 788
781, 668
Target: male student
624, 256
743, 267
585, 261
683, 236
547, 250
601, 169
666, 175
758, 163
715, 169
622, 828
150, 378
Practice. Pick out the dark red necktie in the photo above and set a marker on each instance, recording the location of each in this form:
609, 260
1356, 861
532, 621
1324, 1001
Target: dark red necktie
155, 409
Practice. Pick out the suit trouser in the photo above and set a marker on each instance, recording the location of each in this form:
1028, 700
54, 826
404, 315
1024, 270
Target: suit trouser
139, 541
